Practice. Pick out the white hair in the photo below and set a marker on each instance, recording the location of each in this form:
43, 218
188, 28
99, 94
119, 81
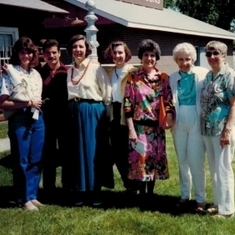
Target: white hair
187, 48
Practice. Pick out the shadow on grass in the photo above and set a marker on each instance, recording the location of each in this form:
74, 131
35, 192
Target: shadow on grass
111, 199
6, 161
162, 203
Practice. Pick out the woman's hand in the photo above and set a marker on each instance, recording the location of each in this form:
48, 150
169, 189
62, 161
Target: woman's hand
132, 135
225, 137
35, 104
169, 121
132, 132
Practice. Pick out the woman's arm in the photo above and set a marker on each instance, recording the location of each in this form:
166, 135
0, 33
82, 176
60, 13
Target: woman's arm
132, 132
105, 85
128, 106
227, 132
167, 98
9, 104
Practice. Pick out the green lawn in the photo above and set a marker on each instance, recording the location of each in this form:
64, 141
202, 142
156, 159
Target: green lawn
3, 130
118, 216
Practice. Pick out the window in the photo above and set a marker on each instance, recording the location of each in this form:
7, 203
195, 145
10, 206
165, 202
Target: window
8, 36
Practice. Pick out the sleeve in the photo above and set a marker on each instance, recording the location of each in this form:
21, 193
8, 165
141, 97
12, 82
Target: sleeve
167, 94
230, 91
104, 85
129, 98
6, 86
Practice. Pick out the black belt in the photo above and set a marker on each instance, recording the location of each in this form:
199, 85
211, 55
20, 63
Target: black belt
77, 99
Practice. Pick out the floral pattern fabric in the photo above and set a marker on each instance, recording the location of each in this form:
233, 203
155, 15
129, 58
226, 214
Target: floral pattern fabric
215, 103
142, 103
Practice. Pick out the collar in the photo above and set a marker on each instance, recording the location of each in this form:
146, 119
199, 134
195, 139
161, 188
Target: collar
142, 71
61, 67
83, 64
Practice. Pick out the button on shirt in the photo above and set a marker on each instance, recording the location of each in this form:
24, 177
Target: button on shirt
94, 83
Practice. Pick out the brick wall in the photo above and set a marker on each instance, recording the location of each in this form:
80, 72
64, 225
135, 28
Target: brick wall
167, 41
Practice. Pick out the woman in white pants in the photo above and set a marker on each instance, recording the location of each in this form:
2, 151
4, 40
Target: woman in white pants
217, 126
186, 85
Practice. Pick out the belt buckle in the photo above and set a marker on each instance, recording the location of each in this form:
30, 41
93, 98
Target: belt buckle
76, 99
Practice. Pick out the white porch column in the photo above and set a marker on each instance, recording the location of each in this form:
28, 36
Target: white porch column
91, 30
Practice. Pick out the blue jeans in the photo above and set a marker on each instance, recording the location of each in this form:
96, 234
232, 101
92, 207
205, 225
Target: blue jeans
27, 140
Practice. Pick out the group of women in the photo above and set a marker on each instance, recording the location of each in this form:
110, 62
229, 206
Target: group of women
130, 108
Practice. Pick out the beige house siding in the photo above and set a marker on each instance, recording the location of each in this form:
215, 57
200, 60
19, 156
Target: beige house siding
167, 42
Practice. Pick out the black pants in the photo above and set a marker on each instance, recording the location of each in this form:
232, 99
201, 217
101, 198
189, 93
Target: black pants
55, 149
119, 137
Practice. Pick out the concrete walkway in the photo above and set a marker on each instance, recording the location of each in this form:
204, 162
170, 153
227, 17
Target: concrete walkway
4, 144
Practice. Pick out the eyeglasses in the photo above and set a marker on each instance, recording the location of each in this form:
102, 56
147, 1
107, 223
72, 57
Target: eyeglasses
214, 53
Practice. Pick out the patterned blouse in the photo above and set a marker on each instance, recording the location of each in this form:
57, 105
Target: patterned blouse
142, 96
215, 103
33, 79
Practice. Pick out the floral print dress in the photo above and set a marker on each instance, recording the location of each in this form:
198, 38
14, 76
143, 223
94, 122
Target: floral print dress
142, 103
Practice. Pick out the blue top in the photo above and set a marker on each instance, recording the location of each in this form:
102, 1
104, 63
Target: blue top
215, 103
186, 89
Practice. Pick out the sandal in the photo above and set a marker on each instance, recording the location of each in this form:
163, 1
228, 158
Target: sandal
201, 206
182, 202
212, 209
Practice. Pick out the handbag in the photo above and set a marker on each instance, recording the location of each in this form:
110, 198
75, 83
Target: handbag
162, 113
19, 93
162, 110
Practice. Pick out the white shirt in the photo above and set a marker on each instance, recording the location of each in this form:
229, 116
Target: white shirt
117, 76
32, 78
94, 83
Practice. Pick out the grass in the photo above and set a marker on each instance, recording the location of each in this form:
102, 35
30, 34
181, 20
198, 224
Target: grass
118, 216
3, 130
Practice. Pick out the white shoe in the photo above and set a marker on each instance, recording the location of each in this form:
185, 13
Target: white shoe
220, 216
29, 206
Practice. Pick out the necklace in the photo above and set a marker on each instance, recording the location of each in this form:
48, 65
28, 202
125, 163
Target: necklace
75, 82
115, 71
183, 91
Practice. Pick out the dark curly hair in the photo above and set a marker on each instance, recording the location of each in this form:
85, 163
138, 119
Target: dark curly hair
50, 43
75, 39
24, 43
149, 45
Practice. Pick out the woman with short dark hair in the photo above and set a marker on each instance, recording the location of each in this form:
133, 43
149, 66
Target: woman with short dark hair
145, 88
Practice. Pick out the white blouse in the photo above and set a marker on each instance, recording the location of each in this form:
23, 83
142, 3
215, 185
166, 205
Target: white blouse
94, 83
33, 79
116, 80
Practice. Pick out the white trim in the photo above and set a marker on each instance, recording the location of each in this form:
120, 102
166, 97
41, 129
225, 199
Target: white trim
124, 14
10, 30
34, 4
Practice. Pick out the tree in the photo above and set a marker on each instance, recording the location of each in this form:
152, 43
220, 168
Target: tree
169, 4
219, 13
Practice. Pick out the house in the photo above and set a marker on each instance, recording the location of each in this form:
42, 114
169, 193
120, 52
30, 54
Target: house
117, 19
19, 18
131, 23
22, 18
